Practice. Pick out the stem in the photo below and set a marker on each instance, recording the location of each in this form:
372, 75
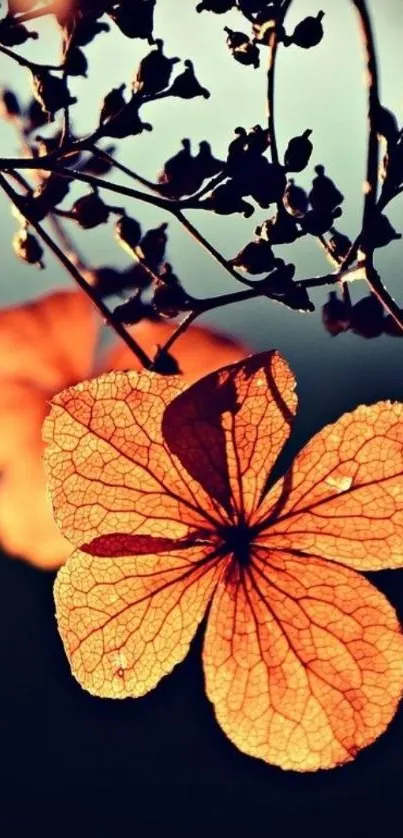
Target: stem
255, 290
194, 232
125, 169
69, 248
181, 328
27, 16
271, 71
76, 275
24, 62
273, 47
373, 107
370, 201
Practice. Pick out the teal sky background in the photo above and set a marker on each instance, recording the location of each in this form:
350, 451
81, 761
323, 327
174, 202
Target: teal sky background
321, 89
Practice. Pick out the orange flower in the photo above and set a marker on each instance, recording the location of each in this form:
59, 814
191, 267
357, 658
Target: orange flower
45, 346
161, 489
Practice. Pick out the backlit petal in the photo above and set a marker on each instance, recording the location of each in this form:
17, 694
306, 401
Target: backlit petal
228, 428
49, 342
109, 468
303, 661
126, 622
343, 496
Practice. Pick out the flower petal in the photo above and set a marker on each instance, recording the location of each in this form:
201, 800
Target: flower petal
109, 469
303, 661
126, 622
228, 428
343, 497
198, 351
44, 345
49, 342
27, 525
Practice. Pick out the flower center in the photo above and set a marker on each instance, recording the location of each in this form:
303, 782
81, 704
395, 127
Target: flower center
237, 540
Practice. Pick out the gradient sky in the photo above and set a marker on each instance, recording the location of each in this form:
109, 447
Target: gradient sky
68, 758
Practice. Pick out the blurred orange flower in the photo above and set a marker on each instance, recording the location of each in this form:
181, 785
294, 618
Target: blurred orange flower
45, 346
161, 489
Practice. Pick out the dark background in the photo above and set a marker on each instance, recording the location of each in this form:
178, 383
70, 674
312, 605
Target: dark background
73, 764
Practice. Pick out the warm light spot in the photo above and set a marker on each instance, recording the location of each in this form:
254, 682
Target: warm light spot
340, 483
45, 346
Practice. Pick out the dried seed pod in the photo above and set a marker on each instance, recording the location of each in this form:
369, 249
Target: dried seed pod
125, 123
98, 165
35, 117
295, 200
335, 315
27, 248
153, 245
235, 39
257, 139
226, 200
386, 125
242, 48
165, 364
244, 159
169, 297
113, 103
109, 280
279, 285
256, 257
180, 175
174, 166
186, 86
219, 7
154, 71
14, 34
90, 211
128, 233
317, 222
254, 7
46, 145
86, 29
132, 311
324, 195
380, 231
298, 152
308, 33
367, 317
135, 19
76, 63
280, 229
207, 165
52, 191
51, 92
339, 245
9, 105
270, 187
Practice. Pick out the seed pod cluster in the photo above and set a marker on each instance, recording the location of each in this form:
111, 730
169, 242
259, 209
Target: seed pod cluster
366, 318
183, 174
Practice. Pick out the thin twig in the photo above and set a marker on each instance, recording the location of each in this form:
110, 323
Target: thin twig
27, 16
24, 62
195, 233
273, 46
370, 200
125, 169
271, 71
180, 329
76, 275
